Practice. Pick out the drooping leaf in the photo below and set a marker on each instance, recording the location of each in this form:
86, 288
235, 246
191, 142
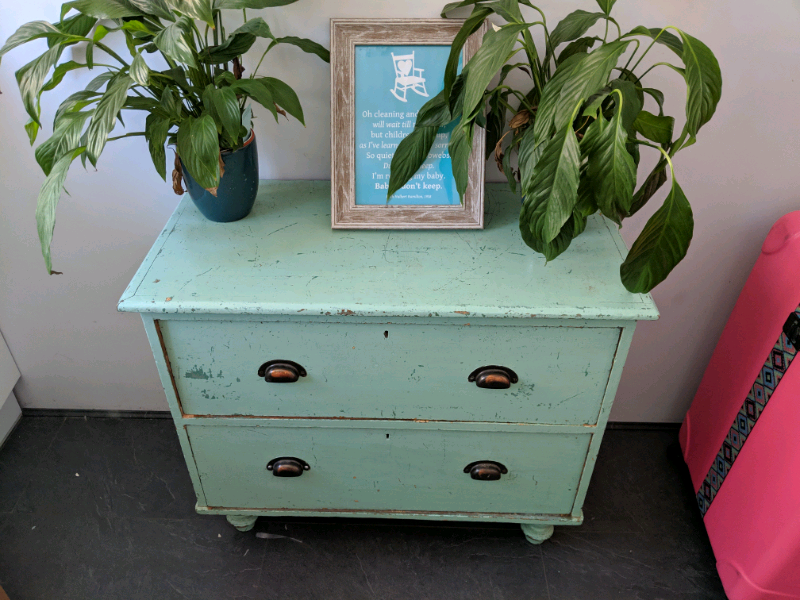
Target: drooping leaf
662, 37
98, 82
29, 32
455, 5
105, 116
255, 89
611, 171
59, 72
632, 101
508, 10
66, 136
156, 129
658, 96
237, 43
198, 148
139, 71
30, 79
103, 9
47, 202
170, 104
575, 79
487, 61
703, 83
654, 128
409, 156
284, 96
661, 245
305, 45
654, 181
573, 26
75, 102
77, 25
553, 190
172, 41
434, 112
557, 245
32, 129
460, 149
528, 155
470, 26
581, 45
606, 5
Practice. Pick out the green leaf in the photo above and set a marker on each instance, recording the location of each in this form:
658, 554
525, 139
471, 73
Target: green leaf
470, 26
255, 89
195, 9
170, 104
95, 84
155, 130
703, 83
32, 31
77, 25
305, 45
573, 26
632, 104
654, 128
460, 149
661, 36
605, 5
528, 155
611, 170
654, 181
139, 71
434, 113
487, 61
454, 5
105, 116
254, 4
30, 79
32, 129
409, 156
581, 45
575, 80
157, 8
224, 106
75, 102
66, 136
49, 195
103, 9
285, 97
661, 245
198, 148
508, 10
553, 248
172, 41
59, 73
553, 191
658, 96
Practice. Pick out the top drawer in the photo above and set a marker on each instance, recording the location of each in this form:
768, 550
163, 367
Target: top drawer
385, 371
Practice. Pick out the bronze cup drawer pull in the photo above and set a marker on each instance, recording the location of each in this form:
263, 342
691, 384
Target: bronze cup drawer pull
493, 377
281, 371
287, 466
485, 470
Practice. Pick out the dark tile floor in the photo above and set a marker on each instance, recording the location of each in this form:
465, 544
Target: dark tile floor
103, 509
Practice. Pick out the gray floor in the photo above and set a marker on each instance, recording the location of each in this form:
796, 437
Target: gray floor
103, 508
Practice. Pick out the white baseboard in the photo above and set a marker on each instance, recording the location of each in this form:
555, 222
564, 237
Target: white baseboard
10, 415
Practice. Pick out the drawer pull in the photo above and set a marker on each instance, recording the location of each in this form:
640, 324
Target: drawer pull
485, 470
281, 371
493, 377
286, 466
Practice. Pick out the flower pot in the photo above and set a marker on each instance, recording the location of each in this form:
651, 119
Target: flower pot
237, 189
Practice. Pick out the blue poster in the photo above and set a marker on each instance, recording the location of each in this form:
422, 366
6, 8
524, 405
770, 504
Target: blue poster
392, 84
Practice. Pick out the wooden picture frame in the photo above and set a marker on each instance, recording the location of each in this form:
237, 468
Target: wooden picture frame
346, 212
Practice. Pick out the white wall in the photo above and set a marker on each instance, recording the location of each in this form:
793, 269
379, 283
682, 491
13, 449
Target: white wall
76, 351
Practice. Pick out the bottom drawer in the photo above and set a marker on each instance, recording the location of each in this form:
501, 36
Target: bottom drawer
371, 467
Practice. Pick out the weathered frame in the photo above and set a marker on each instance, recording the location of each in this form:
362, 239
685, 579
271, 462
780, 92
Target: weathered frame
346, 34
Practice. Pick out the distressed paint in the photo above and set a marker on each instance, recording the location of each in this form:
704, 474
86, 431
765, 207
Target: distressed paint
284, 259
367, 467
420, 370
361, 311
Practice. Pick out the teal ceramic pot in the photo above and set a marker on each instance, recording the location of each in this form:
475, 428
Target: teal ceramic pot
237, 187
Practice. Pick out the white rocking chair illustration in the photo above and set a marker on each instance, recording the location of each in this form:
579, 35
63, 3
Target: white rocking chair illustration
407, 77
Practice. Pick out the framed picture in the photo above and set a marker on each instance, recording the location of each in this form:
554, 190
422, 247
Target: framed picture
382, 72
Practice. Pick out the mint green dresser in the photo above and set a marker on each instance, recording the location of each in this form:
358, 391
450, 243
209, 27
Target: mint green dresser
446, 375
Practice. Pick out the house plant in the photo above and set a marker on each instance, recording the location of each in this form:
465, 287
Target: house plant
576, 127
198, 103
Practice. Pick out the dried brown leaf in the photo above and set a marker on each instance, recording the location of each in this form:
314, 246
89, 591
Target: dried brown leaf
523, 117
177, 177
238, 69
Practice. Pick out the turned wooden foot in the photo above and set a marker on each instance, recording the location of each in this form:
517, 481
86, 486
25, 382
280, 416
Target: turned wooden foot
242, 522
536, 534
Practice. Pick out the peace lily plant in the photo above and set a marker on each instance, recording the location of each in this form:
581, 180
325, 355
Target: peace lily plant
577, 126
196, 99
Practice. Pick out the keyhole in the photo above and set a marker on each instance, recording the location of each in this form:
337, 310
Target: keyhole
387, 436
386, 334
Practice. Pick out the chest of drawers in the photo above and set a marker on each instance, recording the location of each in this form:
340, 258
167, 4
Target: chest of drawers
410, 374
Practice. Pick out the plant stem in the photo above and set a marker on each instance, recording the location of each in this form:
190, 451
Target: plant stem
605, 35
119, 137
111, 53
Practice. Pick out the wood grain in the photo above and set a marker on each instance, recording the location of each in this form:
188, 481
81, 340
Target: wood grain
346, 34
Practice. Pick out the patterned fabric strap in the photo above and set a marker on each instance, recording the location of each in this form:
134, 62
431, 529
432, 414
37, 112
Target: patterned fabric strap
775, 367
